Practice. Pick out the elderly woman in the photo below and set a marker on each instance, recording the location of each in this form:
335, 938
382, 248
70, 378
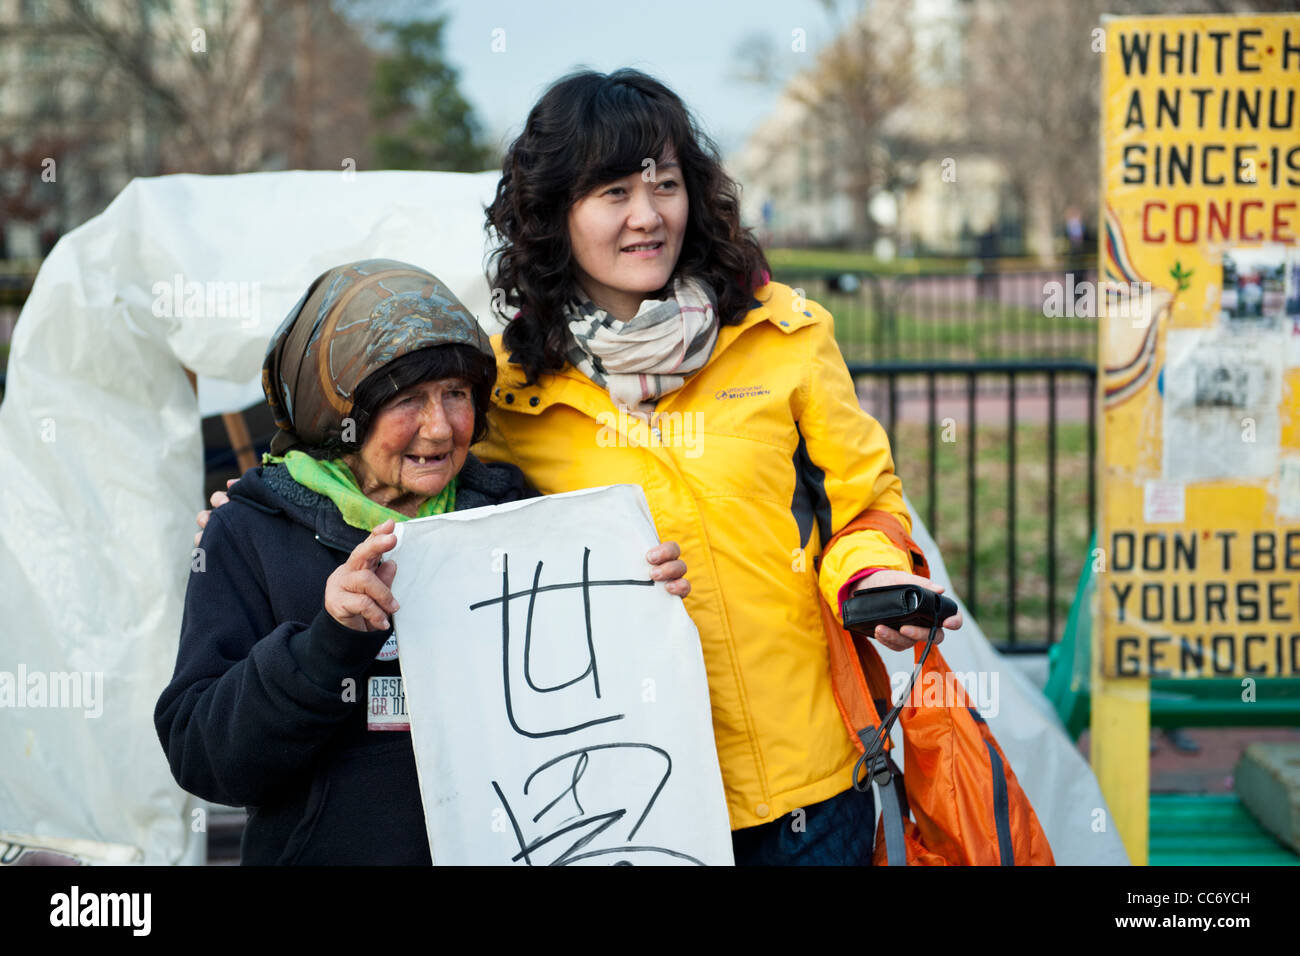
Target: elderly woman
380, 380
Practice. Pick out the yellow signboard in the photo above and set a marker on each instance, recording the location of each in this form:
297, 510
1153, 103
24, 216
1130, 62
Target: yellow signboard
1198, 557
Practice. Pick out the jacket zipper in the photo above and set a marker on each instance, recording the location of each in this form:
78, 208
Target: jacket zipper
333, 544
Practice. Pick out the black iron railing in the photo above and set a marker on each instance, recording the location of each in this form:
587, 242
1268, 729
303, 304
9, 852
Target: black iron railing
984, 313
975, 496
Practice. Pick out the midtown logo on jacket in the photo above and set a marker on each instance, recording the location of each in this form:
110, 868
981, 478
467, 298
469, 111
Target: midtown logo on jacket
741, 391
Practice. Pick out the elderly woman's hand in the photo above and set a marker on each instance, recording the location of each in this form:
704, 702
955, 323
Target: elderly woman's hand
911, 633
218, 499
357, 594
668, 567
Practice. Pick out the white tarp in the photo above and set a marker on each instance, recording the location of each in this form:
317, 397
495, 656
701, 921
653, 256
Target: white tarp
101, 473
557, 696
101, 459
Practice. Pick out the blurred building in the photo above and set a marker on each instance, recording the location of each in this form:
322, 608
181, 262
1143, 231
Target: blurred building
792, 185
94, 94
933, 190
66, 153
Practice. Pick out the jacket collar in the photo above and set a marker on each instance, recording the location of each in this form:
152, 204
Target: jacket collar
773, 303
271, 490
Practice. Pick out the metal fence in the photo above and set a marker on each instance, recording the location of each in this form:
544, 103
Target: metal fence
999, 459
983, 314
970, 368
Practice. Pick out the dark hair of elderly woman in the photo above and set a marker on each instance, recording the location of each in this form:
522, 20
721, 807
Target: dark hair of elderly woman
379, 380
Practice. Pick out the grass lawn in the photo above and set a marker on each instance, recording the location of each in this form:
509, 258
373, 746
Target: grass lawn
993, 528
1010, 332
943, 321
854, 261
850, 260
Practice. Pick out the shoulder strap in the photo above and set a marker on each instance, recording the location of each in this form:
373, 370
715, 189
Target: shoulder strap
875, 519
859, 678
858, 675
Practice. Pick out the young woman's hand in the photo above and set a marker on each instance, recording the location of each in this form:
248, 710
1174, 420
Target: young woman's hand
667, 566
357, 594
218, 499
911, 633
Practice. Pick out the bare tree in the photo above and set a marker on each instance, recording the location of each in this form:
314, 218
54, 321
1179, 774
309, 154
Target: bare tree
116, 88
1032, 96
862, 77
1033, 90
851, 96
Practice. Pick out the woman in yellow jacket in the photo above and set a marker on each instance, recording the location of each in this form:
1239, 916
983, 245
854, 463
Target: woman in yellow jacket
644, 344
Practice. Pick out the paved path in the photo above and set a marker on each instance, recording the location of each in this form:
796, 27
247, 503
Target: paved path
1210, 771
991, 403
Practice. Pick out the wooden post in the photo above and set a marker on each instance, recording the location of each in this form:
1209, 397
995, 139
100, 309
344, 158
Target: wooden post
237, 432
1121, 751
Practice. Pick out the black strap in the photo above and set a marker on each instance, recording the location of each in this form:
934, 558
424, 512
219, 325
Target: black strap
875, 744
893, 805
887, 725
1001, 808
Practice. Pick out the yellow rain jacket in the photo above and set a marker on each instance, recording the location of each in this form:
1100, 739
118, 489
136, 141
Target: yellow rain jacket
761, 456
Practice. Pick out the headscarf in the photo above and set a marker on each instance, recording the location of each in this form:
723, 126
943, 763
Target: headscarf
353, 320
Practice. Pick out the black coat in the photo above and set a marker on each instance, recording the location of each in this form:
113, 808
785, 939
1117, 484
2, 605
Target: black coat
258, 712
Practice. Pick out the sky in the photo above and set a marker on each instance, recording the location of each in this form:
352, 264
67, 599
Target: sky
691, 45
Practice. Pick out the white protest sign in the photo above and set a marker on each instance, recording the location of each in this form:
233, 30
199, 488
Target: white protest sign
557, 696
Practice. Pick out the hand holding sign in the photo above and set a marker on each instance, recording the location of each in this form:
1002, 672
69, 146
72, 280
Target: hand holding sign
357, 594
667, 567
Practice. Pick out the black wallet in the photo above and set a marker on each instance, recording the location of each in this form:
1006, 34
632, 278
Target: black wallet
896, 605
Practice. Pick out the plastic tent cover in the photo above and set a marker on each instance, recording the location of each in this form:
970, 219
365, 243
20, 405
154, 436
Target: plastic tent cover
101, 471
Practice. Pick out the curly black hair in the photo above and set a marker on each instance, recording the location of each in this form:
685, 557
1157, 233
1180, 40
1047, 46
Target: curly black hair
589, 129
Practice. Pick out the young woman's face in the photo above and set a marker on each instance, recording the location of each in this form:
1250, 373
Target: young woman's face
431, 420
627, 235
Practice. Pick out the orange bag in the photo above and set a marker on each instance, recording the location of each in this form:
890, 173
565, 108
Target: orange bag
969, 808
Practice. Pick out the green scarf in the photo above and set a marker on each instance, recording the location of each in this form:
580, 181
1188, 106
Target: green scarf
334, 480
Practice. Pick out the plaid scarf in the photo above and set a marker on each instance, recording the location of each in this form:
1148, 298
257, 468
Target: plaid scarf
650, 354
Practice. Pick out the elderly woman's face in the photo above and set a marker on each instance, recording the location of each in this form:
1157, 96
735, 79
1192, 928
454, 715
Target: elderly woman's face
417, 443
